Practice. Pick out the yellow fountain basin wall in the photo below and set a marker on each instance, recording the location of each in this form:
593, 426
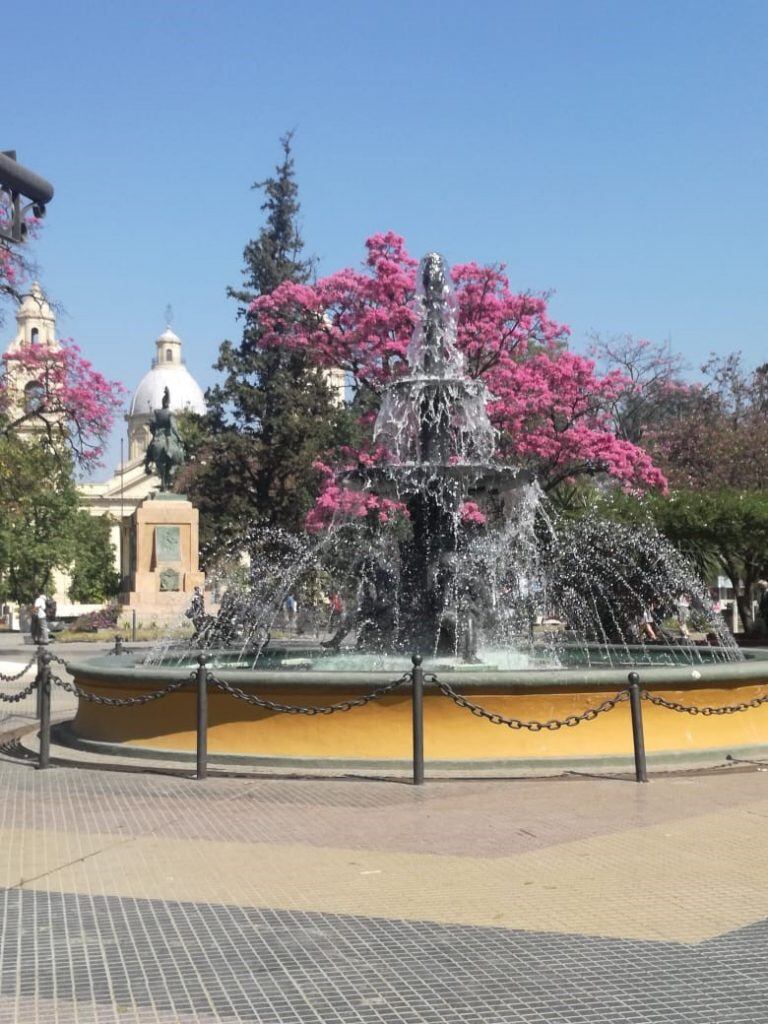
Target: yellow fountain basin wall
382, 730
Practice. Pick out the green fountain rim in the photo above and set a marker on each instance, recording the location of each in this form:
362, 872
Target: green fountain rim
127, 668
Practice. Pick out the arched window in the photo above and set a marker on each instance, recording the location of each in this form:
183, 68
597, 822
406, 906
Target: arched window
34, 336
34, 396
169, 355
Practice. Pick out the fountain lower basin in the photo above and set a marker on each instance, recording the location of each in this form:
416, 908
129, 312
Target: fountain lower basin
379, 734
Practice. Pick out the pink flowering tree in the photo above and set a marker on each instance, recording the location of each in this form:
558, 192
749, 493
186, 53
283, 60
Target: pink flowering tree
15, 264
56, 393
52, 393
551, 408
8, 269
334, 499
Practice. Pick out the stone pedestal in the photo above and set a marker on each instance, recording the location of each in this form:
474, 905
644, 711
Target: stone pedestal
163, 566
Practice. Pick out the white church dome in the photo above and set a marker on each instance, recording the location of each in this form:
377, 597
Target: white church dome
168, 371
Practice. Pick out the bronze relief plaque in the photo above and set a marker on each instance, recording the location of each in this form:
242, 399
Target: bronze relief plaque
168, 543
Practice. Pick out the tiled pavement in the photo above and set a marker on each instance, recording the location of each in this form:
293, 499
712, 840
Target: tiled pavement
146, 897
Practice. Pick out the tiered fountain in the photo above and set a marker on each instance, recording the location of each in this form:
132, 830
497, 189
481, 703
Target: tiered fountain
440, 444
465, 598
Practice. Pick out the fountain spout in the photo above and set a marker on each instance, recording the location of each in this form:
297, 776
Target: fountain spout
434, 425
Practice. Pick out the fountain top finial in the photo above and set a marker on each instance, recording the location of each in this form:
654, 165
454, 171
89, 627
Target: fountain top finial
432, 350
434, 275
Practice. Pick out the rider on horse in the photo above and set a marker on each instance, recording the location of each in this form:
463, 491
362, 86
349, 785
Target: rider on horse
165, 449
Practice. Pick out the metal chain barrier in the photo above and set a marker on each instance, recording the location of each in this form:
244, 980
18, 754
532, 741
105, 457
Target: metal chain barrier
312, 709
534, 726
119, 702
13, 698
693, 709
17, 675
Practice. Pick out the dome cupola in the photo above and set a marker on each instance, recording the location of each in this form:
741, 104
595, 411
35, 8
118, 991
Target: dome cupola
168, 371
168, 348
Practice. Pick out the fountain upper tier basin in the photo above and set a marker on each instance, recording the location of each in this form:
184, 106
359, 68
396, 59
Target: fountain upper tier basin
379, 733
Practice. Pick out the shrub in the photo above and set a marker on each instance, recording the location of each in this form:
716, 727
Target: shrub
104, 618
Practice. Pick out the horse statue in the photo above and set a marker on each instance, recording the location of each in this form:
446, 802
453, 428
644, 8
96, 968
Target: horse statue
165, 449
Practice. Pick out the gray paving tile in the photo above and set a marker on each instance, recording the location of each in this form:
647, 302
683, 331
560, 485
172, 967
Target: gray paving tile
245, 964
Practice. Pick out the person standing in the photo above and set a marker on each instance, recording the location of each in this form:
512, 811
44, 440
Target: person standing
40, 634
337, 609
762, 606
647, 632
683, 606
196, 608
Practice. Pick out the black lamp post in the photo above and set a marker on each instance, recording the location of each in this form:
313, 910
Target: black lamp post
18, 183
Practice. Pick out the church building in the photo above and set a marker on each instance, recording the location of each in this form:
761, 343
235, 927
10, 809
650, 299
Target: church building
121, 494
130, 484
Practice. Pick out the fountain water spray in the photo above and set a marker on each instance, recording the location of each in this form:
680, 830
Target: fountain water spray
478, 557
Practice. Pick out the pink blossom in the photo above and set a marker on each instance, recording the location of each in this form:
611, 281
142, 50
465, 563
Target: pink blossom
471, 514
76, 404
552, 409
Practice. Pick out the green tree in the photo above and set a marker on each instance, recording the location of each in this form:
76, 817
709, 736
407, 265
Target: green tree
93, 574
719, 530
38, 513
274, 413
43, 528
727, 526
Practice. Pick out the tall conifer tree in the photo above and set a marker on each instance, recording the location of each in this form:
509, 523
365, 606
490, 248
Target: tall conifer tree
274, 412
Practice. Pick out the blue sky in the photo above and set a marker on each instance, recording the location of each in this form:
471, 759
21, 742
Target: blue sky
613, 153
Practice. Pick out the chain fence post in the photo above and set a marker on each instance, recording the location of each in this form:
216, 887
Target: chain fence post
638, 742
41, 650
417, 687
44, 688
202, 718
133, 626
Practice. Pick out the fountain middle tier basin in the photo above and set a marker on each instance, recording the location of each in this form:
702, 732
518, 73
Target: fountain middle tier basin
379, 734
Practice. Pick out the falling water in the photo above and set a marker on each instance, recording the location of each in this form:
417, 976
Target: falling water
528, 588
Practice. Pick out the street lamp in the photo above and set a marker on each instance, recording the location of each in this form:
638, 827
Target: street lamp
16, 184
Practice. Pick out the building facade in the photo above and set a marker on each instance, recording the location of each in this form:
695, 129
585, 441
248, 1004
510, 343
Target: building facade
120, 495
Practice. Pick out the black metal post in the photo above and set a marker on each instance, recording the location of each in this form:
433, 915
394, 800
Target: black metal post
133, 626
41, 650
417, 683
118, 644
202, 718
636, 707
44, 686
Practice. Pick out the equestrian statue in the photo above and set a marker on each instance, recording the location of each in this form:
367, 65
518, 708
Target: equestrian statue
165, 448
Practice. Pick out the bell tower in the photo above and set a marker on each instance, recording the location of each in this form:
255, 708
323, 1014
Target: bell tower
36, 330
36, 322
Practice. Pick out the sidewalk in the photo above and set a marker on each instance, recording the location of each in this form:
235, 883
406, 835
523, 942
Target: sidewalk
147, 898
